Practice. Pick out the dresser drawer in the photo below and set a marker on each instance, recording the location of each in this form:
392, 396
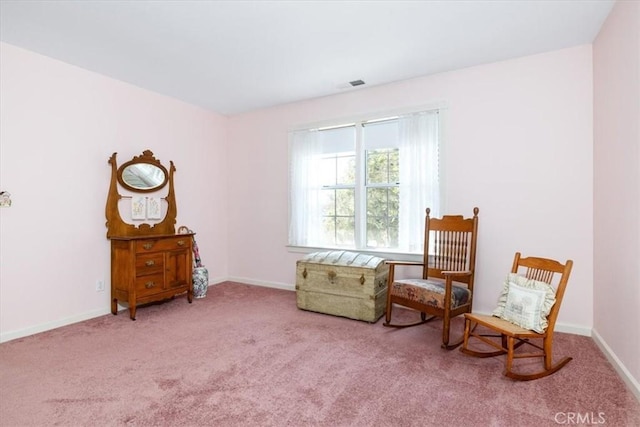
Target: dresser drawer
149, 264
149, 285
155, 245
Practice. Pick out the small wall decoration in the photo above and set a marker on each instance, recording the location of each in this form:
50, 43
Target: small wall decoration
5, 199
153, 208
138, 207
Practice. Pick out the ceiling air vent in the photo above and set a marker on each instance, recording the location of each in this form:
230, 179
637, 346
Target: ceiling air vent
356, 83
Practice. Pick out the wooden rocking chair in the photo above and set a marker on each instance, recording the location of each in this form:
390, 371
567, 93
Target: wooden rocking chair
445, 289
506, 336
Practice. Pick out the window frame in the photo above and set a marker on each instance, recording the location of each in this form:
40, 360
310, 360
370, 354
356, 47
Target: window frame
441, 108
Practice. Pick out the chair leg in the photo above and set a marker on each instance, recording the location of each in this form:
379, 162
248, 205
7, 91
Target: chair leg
387, 315
465, 337
446, 333
547, 345
446, 324
510, 350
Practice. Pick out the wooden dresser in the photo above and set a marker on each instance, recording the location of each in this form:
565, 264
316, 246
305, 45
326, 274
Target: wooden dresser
149, 261
150, 268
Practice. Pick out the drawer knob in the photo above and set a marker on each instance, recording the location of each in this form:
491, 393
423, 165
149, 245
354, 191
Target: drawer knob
332, 276
149, 285
181, 243
362, 279
147, 246
150, 263
304, 273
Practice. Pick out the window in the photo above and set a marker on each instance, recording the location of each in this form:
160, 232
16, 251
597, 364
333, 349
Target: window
365, 185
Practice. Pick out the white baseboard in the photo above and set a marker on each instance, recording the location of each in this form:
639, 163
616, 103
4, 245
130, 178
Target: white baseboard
277, 285
622, 370
47, 326
43, 327
573, 329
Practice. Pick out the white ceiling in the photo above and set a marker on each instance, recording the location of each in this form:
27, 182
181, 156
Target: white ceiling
236, 56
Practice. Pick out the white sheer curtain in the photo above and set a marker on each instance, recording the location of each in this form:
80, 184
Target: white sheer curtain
305, 216
419, 176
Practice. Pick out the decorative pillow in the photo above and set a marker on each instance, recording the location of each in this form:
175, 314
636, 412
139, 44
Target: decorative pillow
526, 302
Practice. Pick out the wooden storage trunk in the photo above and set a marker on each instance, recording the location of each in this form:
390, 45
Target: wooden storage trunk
342, 283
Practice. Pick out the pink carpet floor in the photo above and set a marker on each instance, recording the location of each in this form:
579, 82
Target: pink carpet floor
246, 356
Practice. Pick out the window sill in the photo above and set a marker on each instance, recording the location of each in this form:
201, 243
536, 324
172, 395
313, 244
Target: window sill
396, 256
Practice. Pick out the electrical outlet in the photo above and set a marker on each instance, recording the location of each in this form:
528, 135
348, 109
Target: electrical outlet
99, 285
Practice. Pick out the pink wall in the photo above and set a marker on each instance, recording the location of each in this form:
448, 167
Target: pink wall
616, 55
518, 145
59, 126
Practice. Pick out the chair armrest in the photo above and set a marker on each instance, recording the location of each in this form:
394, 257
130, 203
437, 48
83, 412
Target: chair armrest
457, 273
456, 276
391, 262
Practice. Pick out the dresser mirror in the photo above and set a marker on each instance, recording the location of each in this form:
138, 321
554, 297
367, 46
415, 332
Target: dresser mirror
147, 175
138, 175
